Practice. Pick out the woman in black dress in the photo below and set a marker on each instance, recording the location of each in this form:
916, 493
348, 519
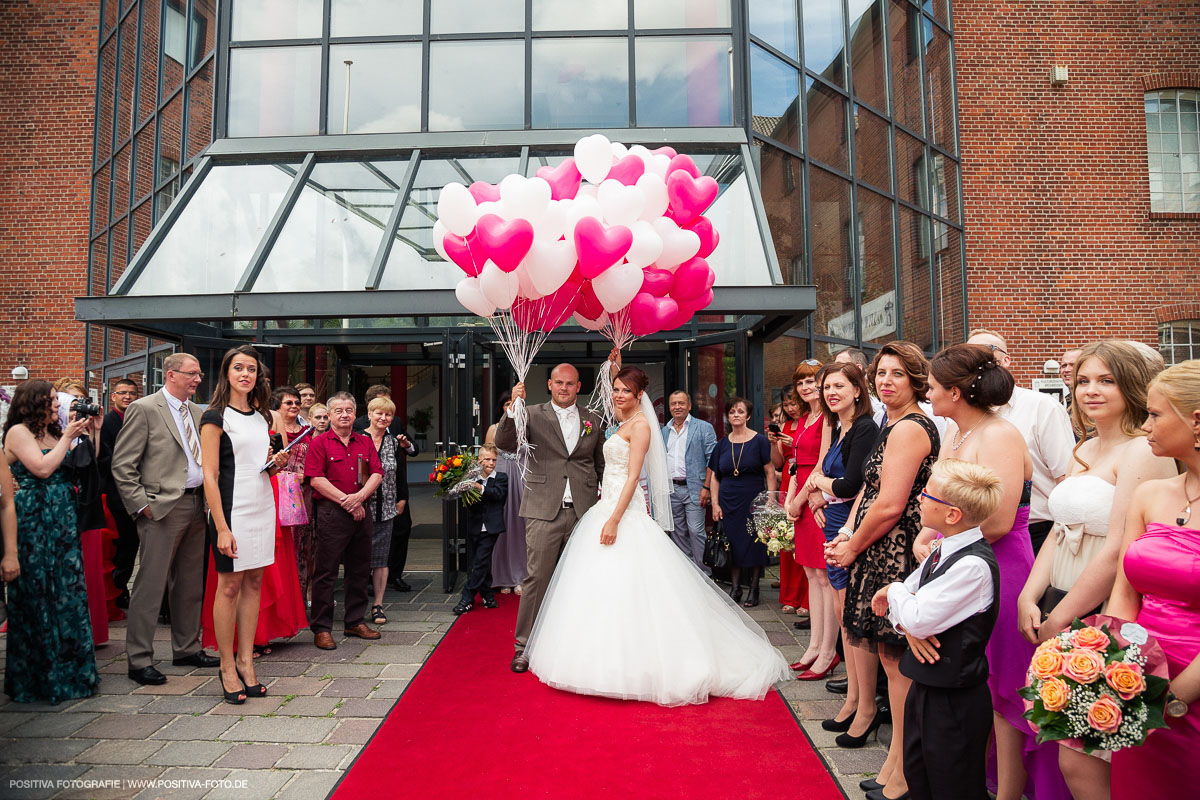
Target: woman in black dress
741, 467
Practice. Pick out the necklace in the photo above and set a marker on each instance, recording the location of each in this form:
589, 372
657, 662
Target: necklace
1186, 515
737, 460
955, 445
811, 420
627, 419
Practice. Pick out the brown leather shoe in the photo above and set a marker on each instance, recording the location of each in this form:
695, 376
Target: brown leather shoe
362, 631
520, 663
324, 641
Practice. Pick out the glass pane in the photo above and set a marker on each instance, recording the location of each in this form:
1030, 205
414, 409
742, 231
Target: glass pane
274, 91
774, 97
774, 21
911, 170
119, 252
464, 97
876, 272
940, 9
827, 139
831, 262
329, 240
580, 83
127, 79
477, 16
170, 128
202, 36
871, 153
276, 19
99, 250
143, 170
200, 110
104, 111
951, 327
375, 18
916, 320
648, 14
141, 225
571, 15
174, 45
945, 188
823, 40
783, 199
102, 187
148, 89
941, 92
684, 81
739, 259
121, 180
905, 26
868, 69
378, 103
217, 232
112, 12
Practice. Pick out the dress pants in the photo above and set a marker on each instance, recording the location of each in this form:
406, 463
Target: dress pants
340, 538
172, 557
127, 541
688, 517
544, 542
479, 555
945, 742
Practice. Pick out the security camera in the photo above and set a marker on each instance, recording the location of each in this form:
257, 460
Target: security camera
1050, 367
19, 373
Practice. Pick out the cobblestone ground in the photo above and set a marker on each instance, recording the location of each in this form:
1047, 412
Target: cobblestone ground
322, 708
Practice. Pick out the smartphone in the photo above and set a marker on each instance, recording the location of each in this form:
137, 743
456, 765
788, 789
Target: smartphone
775, 429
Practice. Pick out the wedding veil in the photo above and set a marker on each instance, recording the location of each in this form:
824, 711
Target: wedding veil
658, 483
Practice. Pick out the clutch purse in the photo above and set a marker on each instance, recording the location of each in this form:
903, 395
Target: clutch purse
716, 547
1052, 597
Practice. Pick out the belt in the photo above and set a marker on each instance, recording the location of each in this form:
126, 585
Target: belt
679, 481
194, 489
568, 505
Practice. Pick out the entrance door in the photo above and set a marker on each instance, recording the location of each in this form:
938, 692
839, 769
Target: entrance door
465, 402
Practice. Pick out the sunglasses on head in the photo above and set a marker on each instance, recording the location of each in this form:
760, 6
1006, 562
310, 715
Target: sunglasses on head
811, 362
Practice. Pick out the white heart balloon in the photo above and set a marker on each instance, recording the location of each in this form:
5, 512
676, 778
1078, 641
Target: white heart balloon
499, 287
439, 239
678, 245
658, 164
619, 151
587, 190
471, 297
549, 264
580, 208
654, 190
594, 157
617, 285
525, 197
496, 207
552, 224
621, 204
525, 285
592, 325
456, 209
647, 244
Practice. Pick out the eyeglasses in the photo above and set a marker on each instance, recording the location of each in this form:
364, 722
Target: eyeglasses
995, 348
928, 496
126, 394
289, 402
811, 362
194, 374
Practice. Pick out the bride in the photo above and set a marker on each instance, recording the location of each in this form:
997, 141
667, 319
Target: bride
626, 614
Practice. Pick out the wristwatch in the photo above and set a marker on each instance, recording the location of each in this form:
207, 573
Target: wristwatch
1176, 707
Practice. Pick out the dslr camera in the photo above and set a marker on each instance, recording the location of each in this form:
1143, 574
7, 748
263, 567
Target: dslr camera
85, 408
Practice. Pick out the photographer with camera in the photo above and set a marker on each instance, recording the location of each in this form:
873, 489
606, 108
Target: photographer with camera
73, 397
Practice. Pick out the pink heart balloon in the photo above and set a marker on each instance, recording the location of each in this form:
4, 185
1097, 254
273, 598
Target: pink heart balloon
692, 279
590, 305
649, 314
665, 150
684, 163
700, 303
709, 238
460, 249
688, 196
564, 179
484, 192
505, 242
627, 170
657, 282
599, 247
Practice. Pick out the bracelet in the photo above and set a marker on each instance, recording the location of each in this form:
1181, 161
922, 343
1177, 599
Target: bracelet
849, 533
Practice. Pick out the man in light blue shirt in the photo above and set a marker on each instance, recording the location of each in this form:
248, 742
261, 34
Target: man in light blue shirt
689, 442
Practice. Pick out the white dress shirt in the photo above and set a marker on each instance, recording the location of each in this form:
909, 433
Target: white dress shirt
568, 422
677, 449
1047, 430
963, 590
195, 475
482, 520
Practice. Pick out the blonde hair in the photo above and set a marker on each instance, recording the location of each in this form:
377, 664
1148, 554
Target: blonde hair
67, 384
973, 488
381, 403
490, 448
1157, 363
988, 332
1132, 371
1180, 384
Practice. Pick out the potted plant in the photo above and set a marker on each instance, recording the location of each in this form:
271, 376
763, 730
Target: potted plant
421, 420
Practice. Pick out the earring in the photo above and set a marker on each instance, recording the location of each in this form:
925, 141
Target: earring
1197, 444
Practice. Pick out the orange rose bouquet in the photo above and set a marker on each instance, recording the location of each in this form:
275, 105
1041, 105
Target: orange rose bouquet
455, 478
1101, 686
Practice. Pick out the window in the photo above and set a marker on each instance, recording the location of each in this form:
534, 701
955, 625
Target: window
1173, 150
1179, 341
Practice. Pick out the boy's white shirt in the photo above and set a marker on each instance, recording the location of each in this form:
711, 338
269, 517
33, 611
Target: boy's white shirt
963, 590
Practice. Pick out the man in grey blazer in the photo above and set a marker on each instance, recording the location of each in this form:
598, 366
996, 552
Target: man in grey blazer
689, 442
561, 484
156, 466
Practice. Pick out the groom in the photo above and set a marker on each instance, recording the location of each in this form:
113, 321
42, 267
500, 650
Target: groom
565, 468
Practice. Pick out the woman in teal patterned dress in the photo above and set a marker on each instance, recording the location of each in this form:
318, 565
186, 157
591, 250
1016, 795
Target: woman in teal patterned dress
50, 653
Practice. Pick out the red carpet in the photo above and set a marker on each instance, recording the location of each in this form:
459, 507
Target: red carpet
468, 727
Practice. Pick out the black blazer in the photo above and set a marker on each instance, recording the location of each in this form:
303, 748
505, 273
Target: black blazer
489, 509
108, 440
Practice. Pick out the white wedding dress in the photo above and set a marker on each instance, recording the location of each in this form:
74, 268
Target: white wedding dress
637, 620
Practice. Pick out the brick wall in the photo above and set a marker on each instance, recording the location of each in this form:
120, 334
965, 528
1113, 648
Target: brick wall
47, 99
1061, 245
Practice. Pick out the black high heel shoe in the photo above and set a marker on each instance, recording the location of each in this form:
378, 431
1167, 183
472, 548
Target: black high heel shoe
736, 593
751, 598
234, 698
849, 742
838, 726
257, 690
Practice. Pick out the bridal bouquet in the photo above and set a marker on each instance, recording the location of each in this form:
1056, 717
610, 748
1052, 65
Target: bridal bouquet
1096, 689
456, 476
771, 525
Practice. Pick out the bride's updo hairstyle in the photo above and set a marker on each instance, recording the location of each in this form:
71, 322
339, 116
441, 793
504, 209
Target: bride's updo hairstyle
633, 378
974, 371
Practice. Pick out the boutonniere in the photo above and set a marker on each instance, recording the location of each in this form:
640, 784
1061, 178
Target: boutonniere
587, 428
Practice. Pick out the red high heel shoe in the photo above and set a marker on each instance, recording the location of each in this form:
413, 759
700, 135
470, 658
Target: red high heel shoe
802, 665
816, 676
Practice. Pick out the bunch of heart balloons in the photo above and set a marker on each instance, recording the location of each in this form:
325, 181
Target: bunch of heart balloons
614, 236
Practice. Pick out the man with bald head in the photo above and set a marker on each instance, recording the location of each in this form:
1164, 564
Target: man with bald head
561, 484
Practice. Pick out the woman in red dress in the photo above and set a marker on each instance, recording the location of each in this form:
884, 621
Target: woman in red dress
793, 586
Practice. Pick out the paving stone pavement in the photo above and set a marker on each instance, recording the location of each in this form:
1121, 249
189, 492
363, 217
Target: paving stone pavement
181, 741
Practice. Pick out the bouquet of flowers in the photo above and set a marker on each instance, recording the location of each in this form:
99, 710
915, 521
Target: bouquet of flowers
771, 525
456, 476
1095, 689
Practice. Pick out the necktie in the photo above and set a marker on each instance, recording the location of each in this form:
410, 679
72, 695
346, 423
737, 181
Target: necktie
931, 564
192, 444
569, 429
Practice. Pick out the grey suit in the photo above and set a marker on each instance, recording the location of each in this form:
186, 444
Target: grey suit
548, 522
149, 467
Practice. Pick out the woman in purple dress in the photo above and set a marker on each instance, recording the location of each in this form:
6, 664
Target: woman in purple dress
965, 384
509, 560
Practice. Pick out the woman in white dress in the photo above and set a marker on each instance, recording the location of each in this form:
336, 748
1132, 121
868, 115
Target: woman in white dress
234, 446
626, 614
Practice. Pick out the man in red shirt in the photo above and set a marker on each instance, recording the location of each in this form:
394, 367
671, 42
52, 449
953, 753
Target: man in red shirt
345, 471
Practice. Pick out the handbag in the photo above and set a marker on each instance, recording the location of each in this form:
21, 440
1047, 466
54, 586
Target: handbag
291, 500
716, 547
1052, 597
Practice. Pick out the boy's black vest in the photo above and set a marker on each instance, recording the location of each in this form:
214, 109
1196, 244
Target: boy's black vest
963, 661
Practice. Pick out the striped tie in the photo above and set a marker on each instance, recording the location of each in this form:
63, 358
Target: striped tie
192, 444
